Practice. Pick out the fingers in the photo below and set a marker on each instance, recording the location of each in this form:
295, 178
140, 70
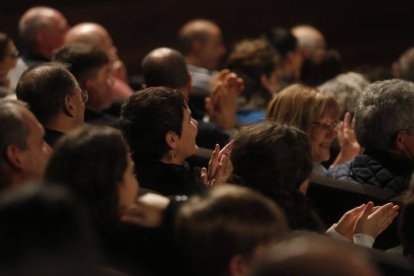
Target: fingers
347, 120
204, 175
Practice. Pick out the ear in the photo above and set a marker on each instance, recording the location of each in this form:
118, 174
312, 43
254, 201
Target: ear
68, 106
13, 155
399, 141
238, 266
171, 138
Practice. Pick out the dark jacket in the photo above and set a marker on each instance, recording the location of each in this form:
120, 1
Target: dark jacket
169, 179
383, 170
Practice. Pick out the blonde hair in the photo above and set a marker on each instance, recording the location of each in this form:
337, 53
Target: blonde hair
300, 105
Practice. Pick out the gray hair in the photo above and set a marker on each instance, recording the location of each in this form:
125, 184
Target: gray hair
346, 88
384, 108
406, 65
13, 130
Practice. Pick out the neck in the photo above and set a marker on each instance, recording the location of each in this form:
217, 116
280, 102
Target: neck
62, 124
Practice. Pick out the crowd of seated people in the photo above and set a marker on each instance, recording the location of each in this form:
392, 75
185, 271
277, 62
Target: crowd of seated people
96, 179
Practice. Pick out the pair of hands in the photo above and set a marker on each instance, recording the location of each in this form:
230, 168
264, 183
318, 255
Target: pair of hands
219, 166
347, 141
367, 219
221, 106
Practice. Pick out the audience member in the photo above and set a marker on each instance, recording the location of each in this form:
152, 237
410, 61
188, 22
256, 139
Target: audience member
346, 88
94, 163
316, 114
24, 152
276, 160
54, 97
96, 35
8, 59
158, 126
319, 64
222, 231
315, 254
44, 232
258, 64
91, 68
291, 58
383, 127
167, 67
42, 30
202, 45
404, 67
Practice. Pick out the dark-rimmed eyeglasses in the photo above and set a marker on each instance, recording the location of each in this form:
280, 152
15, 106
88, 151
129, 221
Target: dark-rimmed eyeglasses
327, 127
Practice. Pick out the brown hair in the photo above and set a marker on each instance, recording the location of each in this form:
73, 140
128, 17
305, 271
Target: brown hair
299, 105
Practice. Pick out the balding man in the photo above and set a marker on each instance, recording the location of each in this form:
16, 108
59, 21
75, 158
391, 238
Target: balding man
202, 45
311, 42
24, 152
97, 36
54, 97
41, 30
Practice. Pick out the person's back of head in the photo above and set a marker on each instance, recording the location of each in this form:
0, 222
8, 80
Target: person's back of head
346, 88
311, 41
147, 117
165, 67
91, 161
258, 64
405, 65
43, 232
221, 231
81, 59
200, 41
383, 113
90, 66
275, 160
42, 30
316, 254
46, 88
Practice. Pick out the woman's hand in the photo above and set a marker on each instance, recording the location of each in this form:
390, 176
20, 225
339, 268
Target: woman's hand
347, 141
147, 211
219, 166
345, 226
373, 221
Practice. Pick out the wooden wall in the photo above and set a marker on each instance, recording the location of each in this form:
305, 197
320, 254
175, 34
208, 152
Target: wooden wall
364, 31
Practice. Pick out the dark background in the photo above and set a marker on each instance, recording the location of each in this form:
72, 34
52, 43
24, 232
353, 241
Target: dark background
368, 33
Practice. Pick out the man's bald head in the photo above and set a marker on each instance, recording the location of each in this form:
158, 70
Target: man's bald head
42, 30
311, 41
165, 67
93, 34
202, 39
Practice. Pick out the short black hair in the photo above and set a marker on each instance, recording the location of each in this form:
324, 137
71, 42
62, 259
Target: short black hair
281, 39
44, 87
147, 116
82, 60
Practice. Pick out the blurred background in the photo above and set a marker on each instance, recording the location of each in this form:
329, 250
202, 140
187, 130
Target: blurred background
368, 34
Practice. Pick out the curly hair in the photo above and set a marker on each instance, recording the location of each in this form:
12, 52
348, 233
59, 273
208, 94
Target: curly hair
275, 160
147, 116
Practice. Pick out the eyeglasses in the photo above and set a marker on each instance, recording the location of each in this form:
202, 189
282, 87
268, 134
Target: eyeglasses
84, 95
327, 127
